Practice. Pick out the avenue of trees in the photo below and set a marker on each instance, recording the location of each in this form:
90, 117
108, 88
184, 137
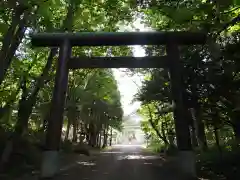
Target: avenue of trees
27, 75
211, 77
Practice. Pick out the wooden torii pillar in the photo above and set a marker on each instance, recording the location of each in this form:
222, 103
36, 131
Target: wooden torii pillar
67, 40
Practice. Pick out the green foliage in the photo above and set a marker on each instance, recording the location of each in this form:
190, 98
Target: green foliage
210, 76
210, 72
212, 164
156, 123
92, 97
29, 62
93, 94
237, 2
210, 82
155, 146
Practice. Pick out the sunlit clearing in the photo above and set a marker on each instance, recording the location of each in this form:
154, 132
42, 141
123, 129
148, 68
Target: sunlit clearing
128, 157
86, 163
127, 145
111, 152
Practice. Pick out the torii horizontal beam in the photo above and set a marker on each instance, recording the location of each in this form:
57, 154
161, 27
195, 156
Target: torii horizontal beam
118, 62
118, 38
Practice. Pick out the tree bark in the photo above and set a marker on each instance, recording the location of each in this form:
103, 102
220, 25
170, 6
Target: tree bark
155, 128
12, 39
74, 131
192, 126
196, 116
202, 140
186, 160
105, 136
181, 123
68, 129
111, 137
236, 129
215, 131
93, 139
194, 137
236, 125
55, 120
163, 132
158, 132
27, 103
93, 135
100, 139
97, 140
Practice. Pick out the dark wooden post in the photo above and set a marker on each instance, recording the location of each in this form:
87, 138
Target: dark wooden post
185, 154
55, 119
111, 134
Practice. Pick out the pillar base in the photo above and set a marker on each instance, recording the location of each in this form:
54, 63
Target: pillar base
50, 164
187, 164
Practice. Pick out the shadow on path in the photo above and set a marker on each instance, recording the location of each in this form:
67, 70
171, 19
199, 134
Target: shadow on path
120, 163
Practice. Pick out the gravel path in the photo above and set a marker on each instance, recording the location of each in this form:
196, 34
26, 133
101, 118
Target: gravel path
120, 163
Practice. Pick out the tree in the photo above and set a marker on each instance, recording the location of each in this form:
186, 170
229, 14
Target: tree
26, 74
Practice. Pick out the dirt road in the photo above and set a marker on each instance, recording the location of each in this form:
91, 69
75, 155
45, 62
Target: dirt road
120, 163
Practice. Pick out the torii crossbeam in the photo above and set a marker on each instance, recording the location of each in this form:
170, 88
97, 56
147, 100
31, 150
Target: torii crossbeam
67, 40
118, 38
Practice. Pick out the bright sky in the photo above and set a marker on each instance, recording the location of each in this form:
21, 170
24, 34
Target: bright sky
128, 86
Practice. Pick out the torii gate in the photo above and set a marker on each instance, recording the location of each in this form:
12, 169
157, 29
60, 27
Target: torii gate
65, 62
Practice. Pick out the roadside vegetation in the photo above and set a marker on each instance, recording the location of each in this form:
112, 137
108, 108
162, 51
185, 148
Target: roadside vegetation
93, 108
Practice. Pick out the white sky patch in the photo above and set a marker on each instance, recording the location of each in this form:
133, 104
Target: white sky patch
128, 86
128, 89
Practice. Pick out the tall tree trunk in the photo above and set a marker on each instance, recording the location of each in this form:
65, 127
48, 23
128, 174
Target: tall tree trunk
202, 140
236, 125
77, 128
105, 136
25, 109
67, 131
193, 136
196, 116
74, 131
192, 126
19, 128
97, 139
215, 131
186, 157
200, 129
27, 103
93, 139
87, 133
12, 39
158, 132
163, 132
215, 117
111, 136
155, 128
236, 129
100, 139
93, 135
55, 120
